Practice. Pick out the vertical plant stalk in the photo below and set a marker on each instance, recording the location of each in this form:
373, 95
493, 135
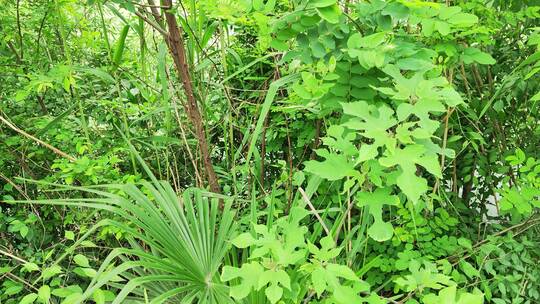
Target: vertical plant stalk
142, 46
263, 149
115, 57
66, 52
317, 140
40, 99
40, 31
290, 162
184, 139
465, 81
228, 129
104, 29
449, 112
21, 47
175, 42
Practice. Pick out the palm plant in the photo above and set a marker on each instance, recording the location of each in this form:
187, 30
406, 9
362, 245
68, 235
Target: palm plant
177, 244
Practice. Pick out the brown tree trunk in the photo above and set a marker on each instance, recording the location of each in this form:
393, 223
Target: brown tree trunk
176, 47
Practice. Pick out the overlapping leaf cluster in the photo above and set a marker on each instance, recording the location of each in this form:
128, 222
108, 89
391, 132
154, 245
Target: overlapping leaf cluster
391, 96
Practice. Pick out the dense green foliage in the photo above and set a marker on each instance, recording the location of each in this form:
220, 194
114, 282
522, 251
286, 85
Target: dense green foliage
270, 151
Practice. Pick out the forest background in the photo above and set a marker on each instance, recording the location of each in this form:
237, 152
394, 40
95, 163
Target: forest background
269, 151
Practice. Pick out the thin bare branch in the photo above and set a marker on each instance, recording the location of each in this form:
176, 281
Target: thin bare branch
314, 211
37, 140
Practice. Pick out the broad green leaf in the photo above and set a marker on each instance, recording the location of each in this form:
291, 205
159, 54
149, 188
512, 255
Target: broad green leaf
258, 5
103, 75
66, 291
328, 249
428, 27
367, 152
14, 288
354, 41
408, 157
396, 10
29, 266
44, 294
412, 185
5, 269
373, 121
120, 46
442, 27
51, 271
243, 240
471, 55
269, 6
375, 299
249, 274
334, 167
446, 296
81, 260
370, 41
274, 277
23, 230
445, 12
99, 296
465, 243
301, 91
85, 272
319, 281
369, 59
449, 295
322, 3
330, 13
279, 45
346, 294
73, 298
342, 271
317, 49
22, 94
69, 235
380, 230
463, 20
340, 139
471, 298
451, 97
30, 298
468, 269
414, 64
273, 293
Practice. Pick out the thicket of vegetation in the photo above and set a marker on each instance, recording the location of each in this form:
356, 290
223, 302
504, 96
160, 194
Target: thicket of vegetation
270, 151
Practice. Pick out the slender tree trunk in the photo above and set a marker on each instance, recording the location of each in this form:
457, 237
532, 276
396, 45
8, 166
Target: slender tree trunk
176, 47
42, 105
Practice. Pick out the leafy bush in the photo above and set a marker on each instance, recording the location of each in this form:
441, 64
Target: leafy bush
304, 151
